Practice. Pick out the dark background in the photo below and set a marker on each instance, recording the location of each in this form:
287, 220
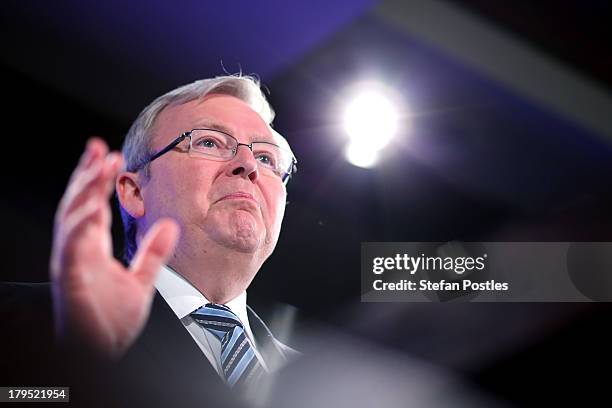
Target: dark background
481, 160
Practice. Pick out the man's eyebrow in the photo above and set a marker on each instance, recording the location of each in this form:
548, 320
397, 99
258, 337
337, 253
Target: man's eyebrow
209, 124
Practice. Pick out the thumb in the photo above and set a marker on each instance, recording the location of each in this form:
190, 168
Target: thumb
155, 249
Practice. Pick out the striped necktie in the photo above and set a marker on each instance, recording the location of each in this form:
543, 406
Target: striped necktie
238, 360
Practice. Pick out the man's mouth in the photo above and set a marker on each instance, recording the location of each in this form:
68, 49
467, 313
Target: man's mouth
239, 195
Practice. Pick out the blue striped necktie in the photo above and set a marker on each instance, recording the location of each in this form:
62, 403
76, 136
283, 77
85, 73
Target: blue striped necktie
238, 360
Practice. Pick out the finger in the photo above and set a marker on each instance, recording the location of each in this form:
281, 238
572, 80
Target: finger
66, 240
92, 207
92, 158
76, 223
95, 195
106, 185
96, 180
115, 164
79, 189
93, 210
95, 149
155, 249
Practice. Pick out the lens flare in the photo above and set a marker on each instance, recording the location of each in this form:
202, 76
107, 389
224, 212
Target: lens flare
371, 121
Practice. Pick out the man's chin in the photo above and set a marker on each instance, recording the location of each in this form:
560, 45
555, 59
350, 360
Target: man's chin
239, 230
241, 244
242, 240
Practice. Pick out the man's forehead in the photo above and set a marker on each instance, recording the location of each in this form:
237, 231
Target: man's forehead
198, 116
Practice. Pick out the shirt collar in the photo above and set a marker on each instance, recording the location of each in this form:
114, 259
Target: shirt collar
183, 298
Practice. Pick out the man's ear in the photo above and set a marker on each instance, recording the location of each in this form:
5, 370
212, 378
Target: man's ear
128, 192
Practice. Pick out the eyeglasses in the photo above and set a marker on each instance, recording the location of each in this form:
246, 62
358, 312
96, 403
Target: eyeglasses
216, 145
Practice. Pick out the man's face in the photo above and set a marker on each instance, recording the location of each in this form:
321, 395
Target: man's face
233, 203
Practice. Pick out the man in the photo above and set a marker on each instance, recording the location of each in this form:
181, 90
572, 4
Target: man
202, 198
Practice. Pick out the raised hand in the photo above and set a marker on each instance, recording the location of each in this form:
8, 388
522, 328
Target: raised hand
97, 301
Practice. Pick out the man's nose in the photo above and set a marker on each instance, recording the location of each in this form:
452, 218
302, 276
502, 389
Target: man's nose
244, 164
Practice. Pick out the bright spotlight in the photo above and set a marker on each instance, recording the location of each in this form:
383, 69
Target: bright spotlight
361, 155
371, 119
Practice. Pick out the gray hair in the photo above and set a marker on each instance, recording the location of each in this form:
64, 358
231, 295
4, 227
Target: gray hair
136, 146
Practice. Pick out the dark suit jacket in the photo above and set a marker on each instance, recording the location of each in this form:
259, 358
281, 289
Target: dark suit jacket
164, 367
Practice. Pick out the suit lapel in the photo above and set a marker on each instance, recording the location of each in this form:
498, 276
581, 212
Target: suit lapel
166, 347
166, 341
171, 366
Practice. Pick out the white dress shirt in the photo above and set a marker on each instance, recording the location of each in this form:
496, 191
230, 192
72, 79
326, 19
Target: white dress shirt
183, 298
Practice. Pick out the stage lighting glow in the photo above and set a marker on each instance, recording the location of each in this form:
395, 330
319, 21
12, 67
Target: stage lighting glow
361, 155
371, 119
